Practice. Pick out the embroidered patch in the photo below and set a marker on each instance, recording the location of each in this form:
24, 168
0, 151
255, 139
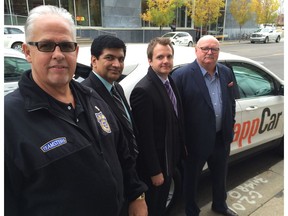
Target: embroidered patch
103, 122
53, 144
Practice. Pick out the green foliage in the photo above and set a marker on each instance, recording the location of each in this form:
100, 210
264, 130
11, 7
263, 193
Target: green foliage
161, 12
204, 12
265, 10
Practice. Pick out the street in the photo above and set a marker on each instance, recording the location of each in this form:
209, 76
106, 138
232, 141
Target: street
271, 55
257, 182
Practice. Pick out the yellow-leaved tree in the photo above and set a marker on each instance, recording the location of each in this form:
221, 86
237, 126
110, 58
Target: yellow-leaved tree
204, 12
265, 10
241, 12
161, 12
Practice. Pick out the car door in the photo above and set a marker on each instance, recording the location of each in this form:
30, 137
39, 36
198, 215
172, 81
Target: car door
260, 108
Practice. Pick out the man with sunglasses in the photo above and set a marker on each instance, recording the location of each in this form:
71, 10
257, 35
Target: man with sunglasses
64, 150
206, 89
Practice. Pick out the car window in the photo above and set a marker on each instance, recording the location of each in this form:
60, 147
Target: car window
13, 31
252, 81
14, 68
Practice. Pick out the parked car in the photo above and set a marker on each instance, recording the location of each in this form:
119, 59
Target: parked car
180, 38
265, 35
259, 104
15, 64
14, 37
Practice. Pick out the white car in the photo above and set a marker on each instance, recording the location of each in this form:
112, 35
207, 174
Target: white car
265, 35
180, 38
15, 64
14, 37
259, 104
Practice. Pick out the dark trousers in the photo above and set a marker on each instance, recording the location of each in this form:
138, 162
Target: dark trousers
217, 164
156, 197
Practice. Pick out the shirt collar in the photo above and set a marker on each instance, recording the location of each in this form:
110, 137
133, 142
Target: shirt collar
204, 72
107, 85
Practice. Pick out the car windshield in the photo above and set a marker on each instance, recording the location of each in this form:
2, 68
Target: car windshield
264, 30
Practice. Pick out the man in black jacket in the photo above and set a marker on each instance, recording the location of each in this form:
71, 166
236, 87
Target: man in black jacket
64, 150
107, 60
157, 110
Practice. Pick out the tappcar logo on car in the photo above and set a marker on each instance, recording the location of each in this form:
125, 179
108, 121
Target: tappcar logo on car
248, 129
53, 144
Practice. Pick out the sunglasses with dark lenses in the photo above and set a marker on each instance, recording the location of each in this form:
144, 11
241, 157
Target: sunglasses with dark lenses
46, 46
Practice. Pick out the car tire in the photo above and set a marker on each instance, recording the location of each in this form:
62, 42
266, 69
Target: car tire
252, 41
277, 39
266, 40
17, 46
175, 191
190, 44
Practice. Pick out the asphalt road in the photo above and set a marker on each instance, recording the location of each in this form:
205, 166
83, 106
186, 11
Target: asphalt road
271, 55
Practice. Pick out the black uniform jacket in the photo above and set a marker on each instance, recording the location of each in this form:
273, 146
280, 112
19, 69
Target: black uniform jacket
94, 82
161, 132
54, 166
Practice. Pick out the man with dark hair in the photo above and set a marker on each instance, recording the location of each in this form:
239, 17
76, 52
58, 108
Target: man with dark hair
107, 60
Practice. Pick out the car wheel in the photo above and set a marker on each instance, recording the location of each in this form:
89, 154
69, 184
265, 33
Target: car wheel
175, 191
252, 41
17, 46
190, 44
277, 39
266, 40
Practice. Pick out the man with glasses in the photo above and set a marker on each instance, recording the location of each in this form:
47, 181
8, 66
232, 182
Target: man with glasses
206, 89
65, 153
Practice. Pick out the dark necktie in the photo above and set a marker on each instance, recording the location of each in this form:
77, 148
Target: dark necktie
117, 98
171, 96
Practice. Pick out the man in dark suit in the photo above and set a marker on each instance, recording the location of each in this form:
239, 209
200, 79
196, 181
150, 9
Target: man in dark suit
107, 60
158, 114
206, 90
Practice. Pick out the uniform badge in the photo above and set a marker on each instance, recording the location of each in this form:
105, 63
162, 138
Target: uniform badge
103, 122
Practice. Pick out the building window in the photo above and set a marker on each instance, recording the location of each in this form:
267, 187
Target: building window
95, 13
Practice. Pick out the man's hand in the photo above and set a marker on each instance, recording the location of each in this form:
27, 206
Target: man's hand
138, 207
157, 180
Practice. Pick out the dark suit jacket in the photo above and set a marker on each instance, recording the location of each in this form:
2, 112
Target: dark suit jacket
160, 137
200, 123
94, 82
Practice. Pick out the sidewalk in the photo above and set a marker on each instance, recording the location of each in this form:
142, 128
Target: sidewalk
274, 207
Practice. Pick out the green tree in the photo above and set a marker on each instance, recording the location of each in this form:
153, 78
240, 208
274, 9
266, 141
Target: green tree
204, 12
265, 10
241, 12
161, 12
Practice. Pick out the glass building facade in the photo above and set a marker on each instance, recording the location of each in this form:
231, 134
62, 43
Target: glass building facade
85, 12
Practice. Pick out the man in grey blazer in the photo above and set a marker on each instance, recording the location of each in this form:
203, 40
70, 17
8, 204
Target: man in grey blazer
206, 90
158, 114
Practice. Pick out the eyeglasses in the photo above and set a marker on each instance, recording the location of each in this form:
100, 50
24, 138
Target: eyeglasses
50, 46
206, 49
